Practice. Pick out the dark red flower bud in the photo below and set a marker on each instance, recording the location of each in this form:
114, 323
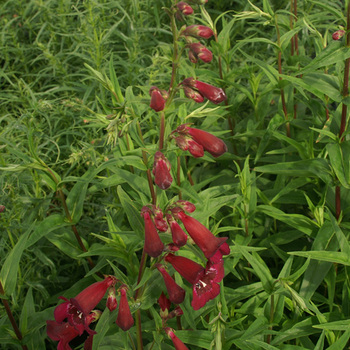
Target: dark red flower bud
111, 299
186, 205
157, 99
164, 302
124, 318
153, 244
212, 144
198, 31
159, 221
161, 171
212, 93
206, 241
338, 34
2, 208
178, 235
179, 345
193, 94
176, 293
184, 8
199, 51
186, 143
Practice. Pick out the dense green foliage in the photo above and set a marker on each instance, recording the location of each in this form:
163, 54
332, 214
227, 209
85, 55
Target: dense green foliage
74, 96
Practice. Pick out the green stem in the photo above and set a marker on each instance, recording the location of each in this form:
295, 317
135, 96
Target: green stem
149, 176
161, 131
136, 296
272, 311
69, 217
11, 318
279, 61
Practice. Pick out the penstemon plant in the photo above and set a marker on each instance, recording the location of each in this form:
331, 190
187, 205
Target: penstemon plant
174, 174
74, 316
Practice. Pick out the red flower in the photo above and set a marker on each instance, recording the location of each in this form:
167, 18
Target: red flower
184, 8
64, 332
153, 244
124, 318
111, 299
193, 94
206, 241
178, 235
176, 293
161, 171
198, 31
61, 332
212, 93
187, 268
338, 34
204, 280
212, 144
157, 99
179, 345
77, 309
199, 51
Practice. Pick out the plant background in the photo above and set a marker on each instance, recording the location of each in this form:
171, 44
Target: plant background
66, 66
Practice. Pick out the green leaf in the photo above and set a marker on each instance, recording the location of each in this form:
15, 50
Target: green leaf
334, 52
102, 327
298, 221
9, 270
115, 83
310, 167
259, 267
333, 257
76, 196
199, 338
49, 224
132, 212
339, 164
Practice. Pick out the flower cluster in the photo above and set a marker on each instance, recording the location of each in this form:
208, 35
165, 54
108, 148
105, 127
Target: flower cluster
204, 280
74, 316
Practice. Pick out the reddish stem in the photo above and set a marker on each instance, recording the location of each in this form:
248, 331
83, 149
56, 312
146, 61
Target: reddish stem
11, 318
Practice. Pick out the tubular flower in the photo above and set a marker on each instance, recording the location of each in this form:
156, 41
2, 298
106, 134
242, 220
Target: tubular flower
204, 281
338, 34
212, 93
187, 268
212, 144
179, 345
124, 318
184, 8
153, 244
76, 310
176, 293
178, 235
198, 31
157, 99
206, 241
199, 51
186, 138
64, 332
161, 171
